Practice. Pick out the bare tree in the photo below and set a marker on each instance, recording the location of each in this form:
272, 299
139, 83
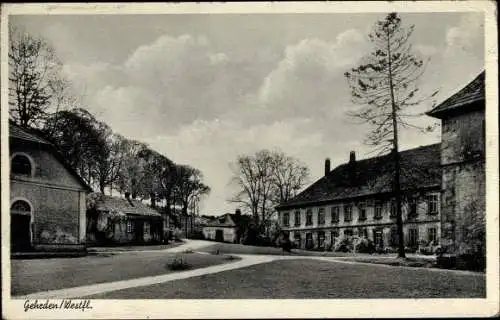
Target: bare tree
289, 176
35, 81
266, 179
188, 186
386, 84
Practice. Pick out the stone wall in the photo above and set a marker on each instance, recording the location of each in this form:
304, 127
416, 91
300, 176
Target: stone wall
55, 212
463, 182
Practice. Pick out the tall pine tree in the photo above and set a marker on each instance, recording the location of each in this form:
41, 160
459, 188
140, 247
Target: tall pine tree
386, 85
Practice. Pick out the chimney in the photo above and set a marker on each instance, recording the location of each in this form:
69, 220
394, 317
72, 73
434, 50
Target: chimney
327, 166
153, 199
352, 166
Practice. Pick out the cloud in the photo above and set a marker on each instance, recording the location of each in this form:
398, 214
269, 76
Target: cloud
309, 79
467, 36
212, 145
167, 83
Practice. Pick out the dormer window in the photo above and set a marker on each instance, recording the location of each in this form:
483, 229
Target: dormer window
21, 165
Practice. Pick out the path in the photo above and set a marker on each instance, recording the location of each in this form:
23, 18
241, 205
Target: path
83, 291
246, 261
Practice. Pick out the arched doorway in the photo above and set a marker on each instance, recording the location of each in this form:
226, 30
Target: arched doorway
20, 226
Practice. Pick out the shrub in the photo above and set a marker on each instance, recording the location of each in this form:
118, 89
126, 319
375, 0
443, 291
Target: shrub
365, 246
179, 263
177, 234
343, 245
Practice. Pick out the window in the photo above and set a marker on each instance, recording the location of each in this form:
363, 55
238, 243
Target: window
413, 208
147, 229
286, 219
363, 233
432, 234
309, 217
347, 213
378, 211
297, 218
334, 235
335, 214
130, 226
413, 237
21, 164
432, 204
378, 238
394, 209
321, 239
394, 237
362, 211
348, 233
20, 207
309, 240
297, 239
321, 216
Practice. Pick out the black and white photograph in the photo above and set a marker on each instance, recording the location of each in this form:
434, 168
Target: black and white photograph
179, 160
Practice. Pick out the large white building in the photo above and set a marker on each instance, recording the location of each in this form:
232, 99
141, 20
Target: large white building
355, 199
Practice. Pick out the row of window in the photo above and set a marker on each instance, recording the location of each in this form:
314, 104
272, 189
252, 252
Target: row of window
432, 208
131, 227
363, 232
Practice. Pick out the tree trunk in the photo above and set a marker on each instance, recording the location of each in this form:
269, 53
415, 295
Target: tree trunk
397, 164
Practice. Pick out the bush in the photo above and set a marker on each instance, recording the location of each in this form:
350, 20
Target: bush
365, 246
343, 245
177, 234
179, 263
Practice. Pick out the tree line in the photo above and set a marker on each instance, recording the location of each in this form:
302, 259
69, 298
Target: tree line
40, 99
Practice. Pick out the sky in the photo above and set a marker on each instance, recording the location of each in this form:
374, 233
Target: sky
204, 88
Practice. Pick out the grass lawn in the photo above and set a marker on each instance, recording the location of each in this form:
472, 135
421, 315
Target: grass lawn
29, 276
228, 248
303, 279
390, 259
135, 248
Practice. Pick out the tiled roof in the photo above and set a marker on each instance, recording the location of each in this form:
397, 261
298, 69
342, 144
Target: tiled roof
26, 134
471, 93
108, 203
229, 220
420, 168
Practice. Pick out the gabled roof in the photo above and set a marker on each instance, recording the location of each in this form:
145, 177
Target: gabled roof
229, 220
463, 99
135, 207
17, 133
420, 168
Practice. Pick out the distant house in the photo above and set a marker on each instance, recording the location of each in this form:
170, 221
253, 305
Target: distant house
47, 197
356, 199
463, 146
226, 228
123, 221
